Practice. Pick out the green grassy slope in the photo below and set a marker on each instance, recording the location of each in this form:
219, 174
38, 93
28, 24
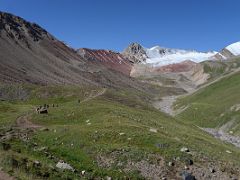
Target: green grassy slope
219, 68
214, 105
105, 126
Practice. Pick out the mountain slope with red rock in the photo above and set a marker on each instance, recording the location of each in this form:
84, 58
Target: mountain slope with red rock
184, 66
29, 54
109, 59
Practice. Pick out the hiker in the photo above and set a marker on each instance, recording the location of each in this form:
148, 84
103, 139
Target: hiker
37, 110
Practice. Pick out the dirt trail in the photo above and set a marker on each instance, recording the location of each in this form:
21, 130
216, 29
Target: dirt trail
92, 96
24, 122
5, 176
20, 128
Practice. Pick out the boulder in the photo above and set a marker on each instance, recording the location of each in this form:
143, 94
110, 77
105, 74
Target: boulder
229, 152
184, 149
189, 162
43, 111
36, 164
64, 166
44, 129
108, 178
212, 170
187, 176
170, 164
6, 146
153, 130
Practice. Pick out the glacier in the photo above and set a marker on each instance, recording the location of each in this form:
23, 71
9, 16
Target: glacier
159, 56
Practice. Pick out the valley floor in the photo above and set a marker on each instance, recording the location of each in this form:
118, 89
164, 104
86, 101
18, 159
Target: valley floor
101, 133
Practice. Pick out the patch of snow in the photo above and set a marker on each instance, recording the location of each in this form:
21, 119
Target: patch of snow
234, 48
222, 56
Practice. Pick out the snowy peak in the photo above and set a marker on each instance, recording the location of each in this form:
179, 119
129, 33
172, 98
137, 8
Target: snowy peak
230, 51
234, 48
161, 56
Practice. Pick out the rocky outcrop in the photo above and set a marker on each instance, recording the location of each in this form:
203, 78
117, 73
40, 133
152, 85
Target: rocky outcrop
186, 75
18, 29
64, 166
223, 55
135, 52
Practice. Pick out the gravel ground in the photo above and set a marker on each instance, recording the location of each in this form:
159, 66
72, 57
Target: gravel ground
5, 176
219, 134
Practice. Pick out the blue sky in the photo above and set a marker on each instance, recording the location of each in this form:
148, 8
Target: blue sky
113, 24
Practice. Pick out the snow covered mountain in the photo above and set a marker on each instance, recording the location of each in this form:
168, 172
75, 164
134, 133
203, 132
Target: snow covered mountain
230, 51
160, 56
234, 48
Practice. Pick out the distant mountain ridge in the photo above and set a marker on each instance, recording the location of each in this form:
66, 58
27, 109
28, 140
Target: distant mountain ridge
30, 54
161, 56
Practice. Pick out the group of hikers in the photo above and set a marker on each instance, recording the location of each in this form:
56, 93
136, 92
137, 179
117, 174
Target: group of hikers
44, 109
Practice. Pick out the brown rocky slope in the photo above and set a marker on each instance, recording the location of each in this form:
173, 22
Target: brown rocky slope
29, 54
110, 59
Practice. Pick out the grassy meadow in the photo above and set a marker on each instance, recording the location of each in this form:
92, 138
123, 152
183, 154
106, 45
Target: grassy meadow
103, 134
